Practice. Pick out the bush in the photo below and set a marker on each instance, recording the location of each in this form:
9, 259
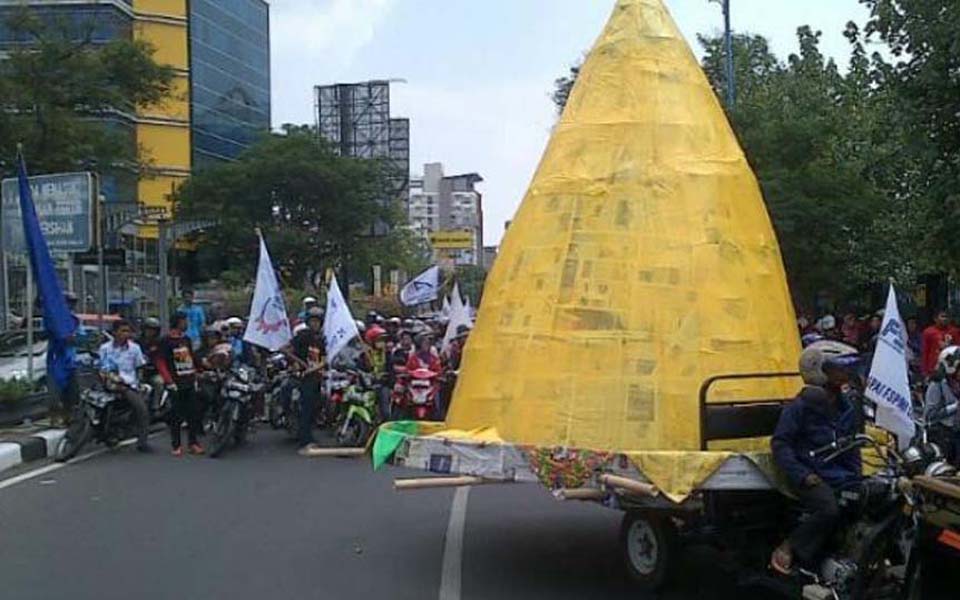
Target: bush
14, 389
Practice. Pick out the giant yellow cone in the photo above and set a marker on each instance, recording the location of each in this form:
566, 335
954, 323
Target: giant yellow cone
641, 262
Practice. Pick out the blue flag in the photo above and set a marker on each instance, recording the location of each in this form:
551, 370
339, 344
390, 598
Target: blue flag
58, 321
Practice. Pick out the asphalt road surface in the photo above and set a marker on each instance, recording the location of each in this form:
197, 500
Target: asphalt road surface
262, 522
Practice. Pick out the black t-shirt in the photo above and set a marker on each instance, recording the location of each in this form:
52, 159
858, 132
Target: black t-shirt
308, 346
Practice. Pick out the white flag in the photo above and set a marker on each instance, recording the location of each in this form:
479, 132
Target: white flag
421, 289
445, 308
338, 324
459, 315
887, 384
268, 325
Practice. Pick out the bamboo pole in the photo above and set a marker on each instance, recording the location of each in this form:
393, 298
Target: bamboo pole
581, 494
332, 452
630, 485
938, 486
422, 483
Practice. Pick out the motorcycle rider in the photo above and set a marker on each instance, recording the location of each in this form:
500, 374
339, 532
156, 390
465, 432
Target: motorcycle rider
425, 356
150, 344
178, 367
124, 358
234, 337
940, 403
309, 303
308, 350
378, 358
822, 412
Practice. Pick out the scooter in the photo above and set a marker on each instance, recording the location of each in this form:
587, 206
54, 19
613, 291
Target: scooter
360, 411
424, 386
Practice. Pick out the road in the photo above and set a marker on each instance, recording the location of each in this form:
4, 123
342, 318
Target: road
262, 522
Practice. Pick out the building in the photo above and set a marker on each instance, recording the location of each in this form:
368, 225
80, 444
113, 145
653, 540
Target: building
355, 118
447, 211
221, 99
489, 255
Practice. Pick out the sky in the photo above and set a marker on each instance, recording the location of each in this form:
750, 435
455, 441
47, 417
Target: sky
479, 73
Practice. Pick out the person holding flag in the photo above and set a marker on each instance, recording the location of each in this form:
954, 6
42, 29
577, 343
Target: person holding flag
308, 352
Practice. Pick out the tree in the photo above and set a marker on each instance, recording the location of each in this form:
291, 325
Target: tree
923, 76
61, 91
316, 209
562, 86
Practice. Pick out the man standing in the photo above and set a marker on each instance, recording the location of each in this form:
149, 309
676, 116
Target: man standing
196, 318
308, 349
178, 367
936, 338
122, 358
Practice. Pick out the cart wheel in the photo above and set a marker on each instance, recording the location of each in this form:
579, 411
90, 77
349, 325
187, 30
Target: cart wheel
649, 545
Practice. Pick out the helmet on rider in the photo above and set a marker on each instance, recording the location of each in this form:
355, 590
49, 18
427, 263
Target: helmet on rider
308, 302
299, 327
361, 326
234, 322
949, 360
220, 355
373, 334
821, 358
151, 323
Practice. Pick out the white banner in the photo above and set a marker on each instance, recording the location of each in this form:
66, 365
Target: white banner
459, 315
422, 289
445, 308
338, 324
887, 384
268, 325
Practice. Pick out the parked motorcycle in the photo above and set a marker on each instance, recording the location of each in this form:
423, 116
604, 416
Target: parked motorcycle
102, 414
331, 411
236, 412
359, 411
282, 396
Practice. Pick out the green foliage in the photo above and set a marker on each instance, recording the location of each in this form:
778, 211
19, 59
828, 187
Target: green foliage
12, 390
562, 86
316, 210
58, 79
923, 80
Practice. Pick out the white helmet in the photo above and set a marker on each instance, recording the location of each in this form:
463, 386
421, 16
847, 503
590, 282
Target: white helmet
299, 327
949, 359
309, 300
818, 354
361, 326
234, 322
827, 323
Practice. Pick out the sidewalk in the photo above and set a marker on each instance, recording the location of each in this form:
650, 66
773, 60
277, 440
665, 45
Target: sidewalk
28, 443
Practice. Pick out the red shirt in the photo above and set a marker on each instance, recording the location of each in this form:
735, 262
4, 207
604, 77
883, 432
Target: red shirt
934, 341
415, 362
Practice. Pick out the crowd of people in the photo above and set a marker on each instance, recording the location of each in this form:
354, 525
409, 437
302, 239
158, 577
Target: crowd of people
194, 346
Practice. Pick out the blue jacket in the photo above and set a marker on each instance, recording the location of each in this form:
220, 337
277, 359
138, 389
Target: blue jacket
812, 421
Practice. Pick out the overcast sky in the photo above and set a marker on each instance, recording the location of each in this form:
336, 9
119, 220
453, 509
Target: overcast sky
480, 72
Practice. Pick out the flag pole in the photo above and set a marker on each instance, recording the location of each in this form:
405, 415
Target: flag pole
29, 312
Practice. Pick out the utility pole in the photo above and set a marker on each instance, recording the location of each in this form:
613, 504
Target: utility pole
728, 41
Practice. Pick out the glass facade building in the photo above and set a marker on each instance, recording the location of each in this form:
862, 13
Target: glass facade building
220, 103
229, 77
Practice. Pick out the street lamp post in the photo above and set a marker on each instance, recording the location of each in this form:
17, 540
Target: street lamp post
728, 41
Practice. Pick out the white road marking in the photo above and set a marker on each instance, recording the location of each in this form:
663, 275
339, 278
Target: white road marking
453, 546
57, 466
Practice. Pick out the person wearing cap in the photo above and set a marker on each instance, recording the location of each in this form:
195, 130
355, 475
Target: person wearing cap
309, 303
827, 326
392, 325
196, 317
308, 354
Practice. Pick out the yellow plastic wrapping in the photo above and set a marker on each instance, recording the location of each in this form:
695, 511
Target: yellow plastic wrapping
641, 262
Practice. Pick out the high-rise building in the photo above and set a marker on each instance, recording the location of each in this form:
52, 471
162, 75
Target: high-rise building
220, 52
355, 118
447, 211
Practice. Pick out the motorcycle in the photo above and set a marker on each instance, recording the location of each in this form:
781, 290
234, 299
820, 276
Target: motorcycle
235, 416
359, 411
282, 396
424, 389
331, 411
102, 414
867, 556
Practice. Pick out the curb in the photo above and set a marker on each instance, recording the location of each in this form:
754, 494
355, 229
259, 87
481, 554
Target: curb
18, 449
